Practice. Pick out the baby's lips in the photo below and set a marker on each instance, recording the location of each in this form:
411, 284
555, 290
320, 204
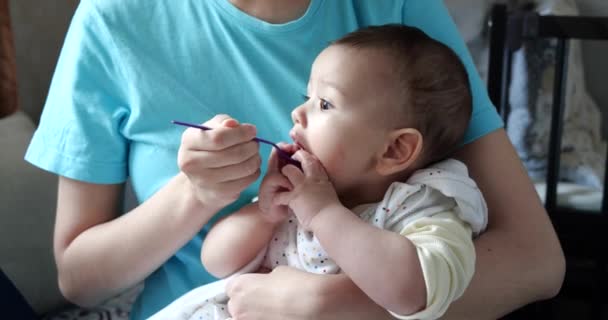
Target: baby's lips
296, 141
293, 148
289, 148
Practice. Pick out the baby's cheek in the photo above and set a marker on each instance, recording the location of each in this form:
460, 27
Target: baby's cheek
336, 161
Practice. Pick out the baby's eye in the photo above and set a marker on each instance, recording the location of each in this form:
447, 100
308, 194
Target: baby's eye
324, 105
305, 97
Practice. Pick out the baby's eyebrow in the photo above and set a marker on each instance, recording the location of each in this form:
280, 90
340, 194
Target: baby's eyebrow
334, 86
327, 83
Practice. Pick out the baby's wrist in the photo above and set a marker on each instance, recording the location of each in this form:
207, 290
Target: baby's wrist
324, 213
272, 222
269, 218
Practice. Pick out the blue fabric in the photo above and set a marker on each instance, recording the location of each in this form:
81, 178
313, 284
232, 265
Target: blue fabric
128, 68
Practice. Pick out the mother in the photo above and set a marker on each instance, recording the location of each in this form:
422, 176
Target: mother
128, 67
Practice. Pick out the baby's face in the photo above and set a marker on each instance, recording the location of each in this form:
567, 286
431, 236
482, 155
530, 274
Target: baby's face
347, 114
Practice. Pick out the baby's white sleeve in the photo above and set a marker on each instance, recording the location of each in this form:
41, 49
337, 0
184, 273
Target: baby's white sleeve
447, 257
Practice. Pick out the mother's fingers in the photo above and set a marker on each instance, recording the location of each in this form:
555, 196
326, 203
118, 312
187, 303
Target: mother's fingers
221, 120
238, 283
233, 171
218, 138
220, 158
232, 187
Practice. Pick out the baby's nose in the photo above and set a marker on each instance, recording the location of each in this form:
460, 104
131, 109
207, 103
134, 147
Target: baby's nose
298, 115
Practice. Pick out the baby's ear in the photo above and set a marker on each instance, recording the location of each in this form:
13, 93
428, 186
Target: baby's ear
402, 149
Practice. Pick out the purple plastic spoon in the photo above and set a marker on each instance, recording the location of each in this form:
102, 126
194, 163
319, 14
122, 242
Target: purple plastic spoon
286, 156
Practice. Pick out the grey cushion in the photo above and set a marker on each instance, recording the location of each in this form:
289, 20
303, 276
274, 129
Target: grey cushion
28, 199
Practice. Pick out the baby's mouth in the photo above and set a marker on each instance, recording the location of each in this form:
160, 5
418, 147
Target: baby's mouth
297, 141
299, 146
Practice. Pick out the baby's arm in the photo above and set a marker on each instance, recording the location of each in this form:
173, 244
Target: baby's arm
426, 266
373, 258
382, 263
235, 240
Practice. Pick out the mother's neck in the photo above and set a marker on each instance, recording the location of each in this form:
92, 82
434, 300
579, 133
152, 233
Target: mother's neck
273, 11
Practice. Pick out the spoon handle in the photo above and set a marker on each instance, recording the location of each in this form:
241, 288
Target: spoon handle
282, 153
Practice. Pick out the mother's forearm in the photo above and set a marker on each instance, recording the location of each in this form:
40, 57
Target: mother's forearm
519, 258
110, 257
510, 273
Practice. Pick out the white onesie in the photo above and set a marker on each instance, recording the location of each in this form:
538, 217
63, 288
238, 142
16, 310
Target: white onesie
439, 209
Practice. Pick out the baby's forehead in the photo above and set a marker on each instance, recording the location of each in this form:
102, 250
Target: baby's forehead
360, 72
363, 51
359, 59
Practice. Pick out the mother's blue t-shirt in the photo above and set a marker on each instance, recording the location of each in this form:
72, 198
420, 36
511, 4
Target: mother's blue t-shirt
127, 68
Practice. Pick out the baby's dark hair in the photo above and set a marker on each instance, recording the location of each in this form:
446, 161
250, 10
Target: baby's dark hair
436, 87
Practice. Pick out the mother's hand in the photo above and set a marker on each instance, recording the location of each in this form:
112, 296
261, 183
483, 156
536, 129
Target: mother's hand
281, 294
220, 163
291, 294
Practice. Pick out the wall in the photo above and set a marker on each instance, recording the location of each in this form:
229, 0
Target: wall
38, 28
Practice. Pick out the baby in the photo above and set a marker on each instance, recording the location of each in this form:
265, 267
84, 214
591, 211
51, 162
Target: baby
376, 198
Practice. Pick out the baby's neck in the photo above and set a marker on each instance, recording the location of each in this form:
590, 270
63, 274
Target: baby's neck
369, 193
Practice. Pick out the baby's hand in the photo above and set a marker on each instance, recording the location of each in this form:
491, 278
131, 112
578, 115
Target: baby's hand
273, 184
311, 192
291, 149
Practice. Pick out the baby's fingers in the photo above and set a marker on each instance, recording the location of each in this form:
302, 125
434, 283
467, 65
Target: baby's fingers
274, 161
282, 199
279, 182
311, 166
293, 174
288, 149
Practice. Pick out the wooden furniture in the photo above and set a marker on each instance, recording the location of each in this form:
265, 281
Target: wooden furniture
8, 82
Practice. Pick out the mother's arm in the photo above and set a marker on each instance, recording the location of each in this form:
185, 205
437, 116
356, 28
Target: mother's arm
519, 258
